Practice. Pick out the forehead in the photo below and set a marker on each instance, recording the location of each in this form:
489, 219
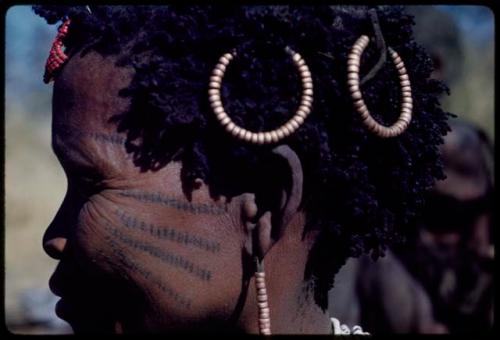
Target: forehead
87, 91
85, 99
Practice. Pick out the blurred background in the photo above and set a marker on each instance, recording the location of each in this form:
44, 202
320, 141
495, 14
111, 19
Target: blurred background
461, 42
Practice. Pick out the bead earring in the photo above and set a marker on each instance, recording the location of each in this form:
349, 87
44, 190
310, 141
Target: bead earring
267, 137
262, 299
56, 55
404, 119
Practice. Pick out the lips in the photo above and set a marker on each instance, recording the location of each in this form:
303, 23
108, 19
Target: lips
62, 279
54, 286
68, 306
86, 318
63, 310
72, 312
81, 306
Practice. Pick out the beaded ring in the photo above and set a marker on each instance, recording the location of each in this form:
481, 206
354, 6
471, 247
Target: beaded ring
56, 55
404, 119
267, 137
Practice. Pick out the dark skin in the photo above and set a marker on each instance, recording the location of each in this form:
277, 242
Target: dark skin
136, 255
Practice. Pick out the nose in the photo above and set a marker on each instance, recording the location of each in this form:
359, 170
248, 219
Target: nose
55, 247
56, 236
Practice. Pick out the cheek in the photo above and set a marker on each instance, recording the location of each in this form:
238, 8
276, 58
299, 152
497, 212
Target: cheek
183, 264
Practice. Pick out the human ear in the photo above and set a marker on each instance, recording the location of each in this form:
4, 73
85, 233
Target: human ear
267, 213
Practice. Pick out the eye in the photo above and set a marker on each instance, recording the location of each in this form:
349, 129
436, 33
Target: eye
84, 187
74, 161
84, 179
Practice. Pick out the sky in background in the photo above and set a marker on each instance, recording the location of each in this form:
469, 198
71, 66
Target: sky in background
27, 43
476, 22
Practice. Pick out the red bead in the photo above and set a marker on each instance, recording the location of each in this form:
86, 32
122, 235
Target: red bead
57, 57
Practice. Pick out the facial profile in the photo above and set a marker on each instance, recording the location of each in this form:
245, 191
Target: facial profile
166, 213
120, 221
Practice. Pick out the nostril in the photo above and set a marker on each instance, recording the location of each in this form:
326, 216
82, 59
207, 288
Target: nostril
55, 247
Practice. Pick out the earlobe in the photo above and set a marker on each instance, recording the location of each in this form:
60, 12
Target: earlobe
258, 230
249, 212
263, 238
266, 218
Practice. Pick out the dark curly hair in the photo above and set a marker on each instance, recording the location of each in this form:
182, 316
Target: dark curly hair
360, 191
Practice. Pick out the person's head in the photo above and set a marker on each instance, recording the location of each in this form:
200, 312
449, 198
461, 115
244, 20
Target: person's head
458, 207
165, 210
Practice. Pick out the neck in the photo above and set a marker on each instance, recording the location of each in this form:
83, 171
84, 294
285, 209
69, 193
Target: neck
290, 298
297, 313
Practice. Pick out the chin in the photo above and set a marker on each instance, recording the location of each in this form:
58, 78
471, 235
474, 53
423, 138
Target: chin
85, 319
84, 326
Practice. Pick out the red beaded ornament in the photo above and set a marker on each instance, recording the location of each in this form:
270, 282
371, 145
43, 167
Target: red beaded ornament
57, 57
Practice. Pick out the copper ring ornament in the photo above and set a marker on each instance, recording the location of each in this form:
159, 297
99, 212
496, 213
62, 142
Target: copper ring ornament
266, 137
404, 119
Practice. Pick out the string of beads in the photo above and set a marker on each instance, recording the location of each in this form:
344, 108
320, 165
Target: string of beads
56, 55
353, 64
264, 317
268, 137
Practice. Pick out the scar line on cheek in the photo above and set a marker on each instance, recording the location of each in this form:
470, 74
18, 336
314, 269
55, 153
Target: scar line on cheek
158, 198
165, 256
136, 267
168, 233
113, 138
